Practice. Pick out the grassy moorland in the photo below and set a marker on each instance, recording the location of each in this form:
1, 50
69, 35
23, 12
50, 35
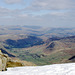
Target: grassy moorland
38, 45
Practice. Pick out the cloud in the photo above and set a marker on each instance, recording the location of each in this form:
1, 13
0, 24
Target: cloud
52, 19
58, 13
13, 1
51, 5
5, 12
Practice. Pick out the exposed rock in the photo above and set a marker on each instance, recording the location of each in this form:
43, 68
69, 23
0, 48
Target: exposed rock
3, 61
72, 58
6, 61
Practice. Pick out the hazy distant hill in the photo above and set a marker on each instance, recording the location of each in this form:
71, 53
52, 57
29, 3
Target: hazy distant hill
33, 27
36, 31
39, 45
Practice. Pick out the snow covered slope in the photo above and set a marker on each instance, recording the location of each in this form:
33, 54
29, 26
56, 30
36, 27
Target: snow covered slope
57, 69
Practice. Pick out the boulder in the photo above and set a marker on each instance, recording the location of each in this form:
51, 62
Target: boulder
3, 61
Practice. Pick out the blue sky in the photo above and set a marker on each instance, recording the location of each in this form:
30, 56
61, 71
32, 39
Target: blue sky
50, 13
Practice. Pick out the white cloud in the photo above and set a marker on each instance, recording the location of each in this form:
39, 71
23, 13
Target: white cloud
53, 19
60, 13
13, 1
51, 4
5, 12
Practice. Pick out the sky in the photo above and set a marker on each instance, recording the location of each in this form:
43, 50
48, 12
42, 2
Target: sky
47, 13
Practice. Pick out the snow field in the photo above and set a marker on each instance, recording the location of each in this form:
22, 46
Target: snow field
57, 69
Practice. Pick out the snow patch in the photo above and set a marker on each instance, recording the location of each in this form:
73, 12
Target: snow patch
57, 69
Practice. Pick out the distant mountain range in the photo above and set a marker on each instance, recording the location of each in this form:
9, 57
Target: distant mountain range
38, 45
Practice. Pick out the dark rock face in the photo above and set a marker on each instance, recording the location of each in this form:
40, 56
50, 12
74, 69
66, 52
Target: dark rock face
72, 58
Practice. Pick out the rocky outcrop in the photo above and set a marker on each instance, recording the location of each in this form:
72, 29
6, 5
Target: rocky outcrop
72, 58
3, 61
6, 61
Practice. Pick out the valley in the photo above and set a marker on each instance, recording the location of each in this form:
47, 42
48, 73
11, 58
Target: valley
41, 46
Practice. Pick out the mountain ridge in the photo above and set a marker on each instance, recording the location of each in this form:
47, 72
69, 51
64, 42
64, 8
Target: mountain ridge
41, 46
